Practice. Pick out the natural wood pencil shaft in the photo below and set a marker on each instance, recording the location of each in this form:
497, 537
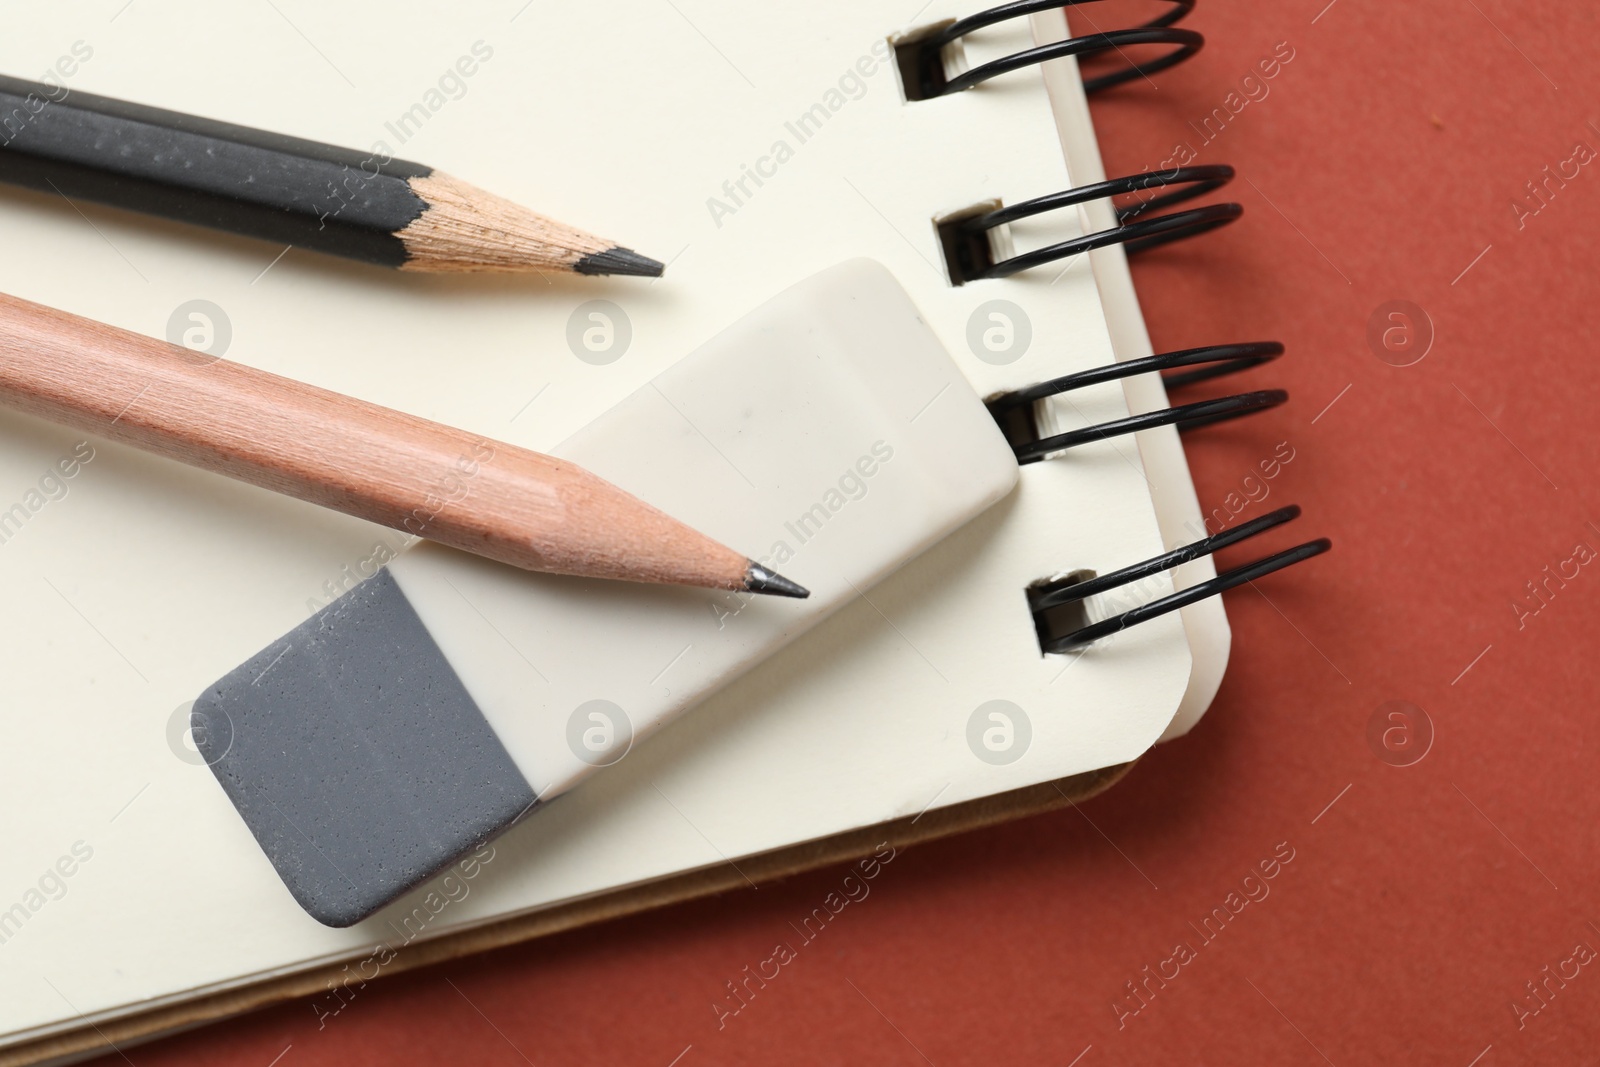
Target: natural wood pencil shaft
487, 497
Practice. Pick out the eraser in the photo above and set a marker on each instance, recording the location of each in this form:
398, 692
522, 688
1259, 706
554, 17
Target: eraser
828, 433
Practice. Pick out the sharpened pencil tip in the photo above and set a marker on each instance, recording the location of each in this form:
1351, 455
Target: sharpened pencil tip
759, 579
620, 261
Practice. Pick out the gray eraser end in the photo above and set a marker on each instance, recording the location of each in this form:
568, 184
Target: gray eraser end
356, 756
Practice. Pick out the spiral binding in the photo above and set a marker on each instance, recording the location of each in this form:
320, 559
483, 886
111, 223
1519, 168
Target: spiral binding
970, 252
1013, 411
1059, 606
925, 67
1051, 595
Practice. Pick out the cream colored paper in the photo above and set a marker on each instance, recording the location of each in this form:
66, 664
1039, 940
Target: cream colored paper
751, 146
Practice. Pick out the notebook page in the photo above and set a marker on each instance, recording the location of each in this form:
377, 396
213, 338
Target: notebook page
144, 580
1162, 449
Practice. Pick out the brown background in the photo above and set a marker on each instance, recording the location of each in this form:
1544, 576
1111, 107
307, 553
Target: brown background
1385, 159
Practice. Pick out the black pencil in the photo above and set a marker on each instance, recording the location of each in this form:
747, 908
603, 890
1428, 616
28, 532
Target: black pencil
282, 189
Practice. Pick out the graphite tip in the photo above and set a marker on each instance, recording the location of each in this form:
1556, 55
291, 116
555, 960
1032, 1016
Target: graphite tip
620, 261
759, 579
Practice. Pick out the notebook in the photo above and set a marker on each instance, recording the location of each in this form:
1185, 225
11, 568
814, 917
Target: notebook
749, 168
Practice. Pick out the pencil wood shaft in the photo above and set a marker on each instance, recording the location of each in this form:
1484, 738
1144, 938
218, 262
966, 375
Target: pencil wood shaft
291, 191
487, 497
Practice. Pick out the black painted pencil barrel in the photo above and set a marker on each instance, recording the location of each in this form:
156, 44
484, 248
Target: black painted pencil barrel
215, 174
278, 188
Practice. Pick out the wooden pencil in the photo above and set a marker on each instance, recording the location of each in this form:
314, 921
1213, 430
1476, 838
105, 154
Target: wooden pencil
282, 189
487, 497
